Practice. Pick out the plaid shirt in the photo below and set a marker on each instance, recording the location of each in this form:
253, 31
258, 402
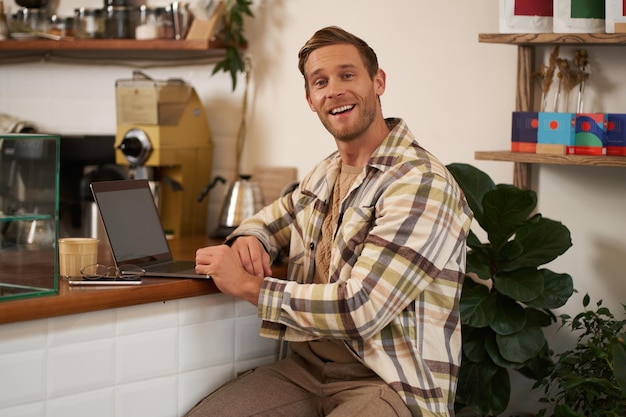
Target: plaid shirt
396, 268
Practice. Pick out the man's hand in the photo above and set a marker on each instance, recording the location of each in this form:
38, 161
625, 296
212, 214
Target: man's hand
222, 263
252, 256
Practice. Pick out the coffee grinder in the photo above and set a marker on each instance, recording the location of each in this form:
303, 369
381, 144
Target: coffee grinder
163, 135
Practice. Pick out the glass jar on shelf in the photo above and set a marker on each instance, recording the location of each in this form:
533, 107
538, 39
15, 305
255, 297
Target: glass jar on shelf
147, 22
31, 20
61, 26
89, 23
118, 23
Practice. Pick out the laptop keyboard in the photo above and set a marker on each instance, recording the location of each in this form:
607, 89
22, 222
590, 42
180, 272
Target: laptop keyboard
173, 267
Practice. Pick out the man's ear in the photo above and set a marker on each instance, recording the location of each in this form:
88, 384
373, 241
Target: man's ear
308, 100
380, 82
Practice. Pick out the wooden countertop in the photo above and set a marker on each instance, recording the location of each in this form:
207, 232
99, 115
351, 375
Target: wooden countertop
73, 300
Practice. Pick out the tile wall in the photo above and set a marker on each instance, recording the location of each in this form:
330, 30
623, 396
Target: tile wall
154, 359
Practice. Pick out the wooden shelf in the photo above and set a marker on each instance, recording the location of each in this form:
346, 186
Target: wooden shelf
554, 38
126, 48
532, 158
105, 44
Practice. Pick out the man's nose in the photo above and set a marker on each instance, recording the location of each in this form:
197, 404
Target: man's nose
335, 88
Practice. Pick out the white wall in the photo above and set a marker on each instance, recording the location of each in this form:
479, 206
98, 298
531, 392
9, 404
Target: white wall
455, 93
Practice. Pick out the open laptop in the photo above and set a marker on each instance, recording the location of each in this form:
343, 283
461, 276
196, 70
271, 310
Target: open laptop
133, 227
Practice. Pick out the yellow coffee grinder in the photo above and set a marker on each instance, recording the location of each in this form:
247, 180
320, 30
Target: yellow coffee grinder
163, 135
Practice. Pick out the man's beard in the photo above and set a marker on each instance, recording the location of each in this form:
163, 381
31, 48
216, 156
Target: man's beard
349, 133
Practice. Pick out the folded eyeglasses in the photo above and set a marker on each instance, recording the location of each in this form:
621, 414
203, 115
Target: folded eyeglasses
98, 272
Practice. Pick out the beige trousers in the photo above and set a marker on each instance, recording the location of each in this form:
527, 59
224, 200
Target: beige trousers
302, 385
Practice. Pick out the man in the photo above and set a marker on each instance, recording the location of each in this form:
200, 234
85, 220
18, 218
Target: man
376, 241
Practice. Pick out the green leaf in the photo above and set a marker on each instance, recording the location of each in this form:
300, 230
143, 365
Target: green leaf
510, 317
557, 289
538, 318
484, 387
478, 306
619, 362
505, 209
540, 366
493, 351
478, 262
474, 183
542, 242
473, 241
586, 300
521, 346
233, 37
563, 410
521, 285
471, 380
495, 395
474, 344
510, 250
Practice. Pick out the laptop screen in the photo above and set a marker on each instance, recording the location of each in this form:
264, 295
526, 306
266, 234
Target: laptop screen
131, 221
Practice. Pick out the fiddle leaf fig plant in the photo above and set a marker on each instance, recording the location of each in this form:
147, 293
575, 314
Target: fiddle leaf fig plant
507, 294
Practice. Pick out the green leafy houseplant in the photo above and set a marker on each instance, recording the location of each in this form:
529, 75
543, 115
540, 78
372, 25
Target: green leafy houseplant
232, 35
589, 380
507, 298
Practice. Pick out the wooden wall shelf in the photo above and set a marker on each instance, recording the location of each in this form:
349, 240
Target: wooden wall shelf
105, 44
554, 38
124, 48
533, 158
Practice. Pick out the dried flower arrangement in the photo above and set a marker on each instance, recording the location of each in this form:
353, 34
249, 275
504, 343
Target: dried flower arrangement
569, 77
545, 75
581, 61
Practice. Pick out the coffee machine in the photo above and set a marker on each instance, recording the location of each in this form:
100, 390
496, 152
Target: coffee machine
163, 135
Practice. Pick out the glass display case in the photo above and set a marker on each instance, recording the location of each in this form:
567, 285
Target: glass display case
29, 207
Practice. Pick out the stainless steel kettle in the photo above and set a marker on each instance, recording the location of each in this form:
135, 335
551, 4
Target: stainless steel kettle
243, 199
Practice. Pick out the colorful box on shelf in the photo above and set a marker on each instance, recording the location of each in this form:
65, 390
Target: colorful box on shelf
525, 16
616, 134
615, 16
524, 132
556, 132
590, 137
578, 16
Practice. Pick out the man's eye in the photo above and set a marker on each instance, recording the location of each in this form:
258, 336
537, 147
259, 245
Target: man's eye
348, 75
319, 83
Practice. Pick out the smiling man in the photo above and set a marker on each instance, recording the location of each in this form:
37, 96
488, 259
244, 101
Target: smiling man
375, 236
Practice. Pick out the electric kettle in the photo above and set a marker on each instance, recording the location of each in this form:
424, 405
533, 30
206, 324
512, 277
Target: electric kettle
243, 199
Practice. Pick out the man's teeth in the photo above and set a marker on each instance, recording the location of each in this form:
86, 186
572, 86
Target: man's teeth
342, 109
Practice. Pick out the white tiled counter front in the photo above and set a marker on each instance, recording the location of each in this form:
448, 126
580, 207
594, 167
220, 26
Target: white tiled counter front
153, 360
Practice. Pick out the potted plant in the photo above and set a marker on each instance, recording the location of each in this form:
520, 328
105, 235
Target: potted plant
589, 379
232, 35
507, 296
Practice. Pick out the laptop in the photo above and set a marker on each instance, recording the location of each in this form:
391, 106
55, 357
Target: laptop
134, 230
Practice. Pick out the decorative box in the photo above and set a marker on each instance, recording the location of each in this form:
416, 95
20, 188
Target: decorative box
579, 16
615, 20
524, 132
590, 137
525, 16
556, 132
616, 134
